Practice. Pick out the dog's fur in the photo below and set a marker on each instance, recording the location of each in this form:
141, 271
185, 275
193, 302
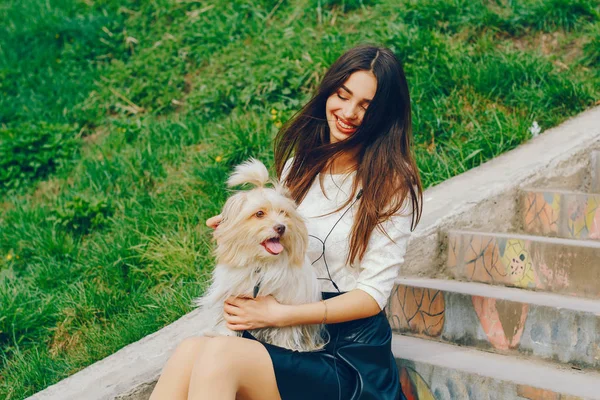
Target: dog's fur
243, 259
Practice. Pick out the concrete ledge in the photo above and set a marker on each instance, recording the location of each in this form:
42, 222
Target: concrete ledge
558, 158
595, 175
128, 374
448, 372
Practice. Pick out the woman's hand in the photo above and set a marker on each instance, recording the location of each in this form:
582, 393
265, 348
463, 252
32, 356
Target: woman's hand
247, 313
213, 222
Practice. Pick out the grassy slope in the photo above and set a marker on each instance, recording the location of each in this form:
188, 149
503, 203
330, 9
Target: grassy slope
101, 232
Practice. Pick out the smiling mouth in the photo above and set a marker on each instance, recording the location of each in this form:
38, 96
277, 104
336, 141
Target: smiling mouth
273, 246
344, 127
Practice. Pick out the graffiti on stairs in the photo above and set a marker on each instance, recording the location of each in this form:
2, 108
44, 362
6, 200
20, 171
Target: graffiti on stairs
417, 310
571, 215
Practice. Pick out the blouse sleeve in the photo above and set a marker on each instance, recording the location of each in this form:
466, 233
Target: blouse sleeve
381, 262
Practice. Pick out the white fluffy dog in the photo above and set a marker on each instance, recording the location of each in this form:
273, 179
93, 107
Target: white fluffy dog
261, 243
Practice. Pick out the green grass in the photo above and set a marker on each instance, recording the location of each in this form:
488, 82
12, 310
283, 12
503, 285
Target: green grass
120, 120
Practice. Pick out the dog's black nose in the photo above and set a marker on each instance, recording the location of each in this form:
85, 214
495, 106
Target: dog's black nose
279, 228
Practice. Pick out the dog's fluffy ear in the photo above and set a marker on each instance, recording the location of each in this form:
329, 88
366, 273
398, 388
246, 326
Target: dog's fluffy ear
251, 171
233, 206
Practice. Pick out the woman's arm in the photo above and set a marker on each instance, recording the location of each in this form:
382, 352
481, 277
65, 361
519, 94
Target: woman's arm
265, 311
349, 306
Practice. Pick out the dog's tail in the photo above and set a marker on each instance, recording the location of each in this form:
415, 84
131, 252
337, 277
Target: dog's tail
251, 171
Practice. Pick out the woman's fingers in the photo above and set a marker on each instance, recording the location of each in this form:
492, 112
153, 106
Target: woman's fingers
231, 310
235, 323
234, 315
232, 301
213, 222
236, 301
235, 320
240, 327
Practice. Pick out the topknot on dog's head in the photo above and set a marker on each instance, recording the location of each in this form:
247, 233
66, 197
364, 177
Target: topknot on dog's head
252, 171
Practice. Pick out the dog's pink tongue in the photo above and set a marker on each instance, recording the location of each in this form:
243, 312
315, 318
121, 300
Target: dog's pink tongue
273, 246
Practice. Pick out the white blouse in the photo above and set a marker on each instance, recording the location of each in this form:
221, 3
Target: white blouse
380, 266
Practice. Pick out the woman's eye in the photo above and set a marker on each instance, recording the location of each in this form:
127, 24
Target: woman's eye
260, 214
343, 98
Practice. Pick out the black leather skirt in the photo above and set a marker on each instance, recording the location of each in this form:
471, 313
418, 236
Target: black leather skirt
356, 364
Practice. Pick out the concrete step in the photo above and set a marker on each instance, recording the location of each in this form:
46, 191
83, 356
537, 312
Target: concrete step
499, 319
431, 370
595, 171
557, 213
556, 265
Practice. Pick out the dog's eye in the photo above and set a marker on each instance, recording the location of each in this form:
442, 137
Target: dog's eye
260, 214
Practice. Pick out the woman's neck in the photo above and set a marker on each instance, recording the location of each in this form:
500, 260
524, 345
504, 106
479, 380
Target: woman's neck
342, 163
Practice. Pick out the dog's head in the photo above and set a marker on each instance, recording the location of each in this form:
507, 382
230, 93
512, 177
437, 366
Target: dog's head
260, 225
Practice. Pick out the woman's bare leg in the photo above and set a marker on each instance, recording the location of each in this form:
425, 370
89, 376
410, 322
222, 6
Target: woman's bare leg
233, 367
174, 381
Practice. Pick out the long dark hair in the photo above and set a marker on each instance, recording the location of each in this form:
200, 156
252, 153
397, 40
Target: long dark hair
386, 168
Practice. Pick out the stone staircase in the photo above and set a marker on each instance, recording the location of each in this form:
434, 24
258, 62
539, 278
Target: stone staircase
517, 315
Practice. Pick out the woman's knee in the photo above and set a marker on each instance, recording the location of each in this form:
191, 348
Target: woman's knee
218, 357
193, 343
190, 347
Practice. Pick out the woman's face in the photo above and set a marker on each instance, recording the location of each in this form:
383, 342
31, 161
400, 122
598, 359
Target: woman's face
346, 107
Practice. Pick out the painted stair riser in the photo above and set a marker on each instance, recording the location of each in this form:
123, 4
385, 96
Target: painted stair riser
422, 381
526, 262
566, 215
502, 326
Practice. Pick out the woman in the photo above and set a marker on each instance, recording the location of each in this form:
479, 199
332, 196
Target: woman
346, 160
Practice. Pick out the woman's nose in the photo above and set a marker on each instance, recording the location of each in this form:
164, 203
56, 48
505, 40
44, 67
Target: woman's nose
350, 112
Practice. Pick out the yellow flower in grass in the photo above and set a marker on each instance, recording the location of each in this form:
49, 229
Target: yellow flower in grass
219, 159
9, 257
278, 124
273, 111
